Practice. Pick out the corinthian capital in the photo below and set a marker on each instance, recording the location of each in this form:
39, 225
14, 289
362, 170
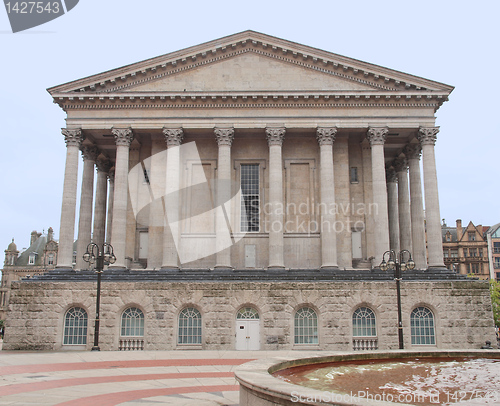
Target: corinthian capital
390, 174
173, 136
89, 153
400, 164
412, 151
123, 136
73, 137
103, 165
275, 136
224, 136
326, 136
376, 135
427, 135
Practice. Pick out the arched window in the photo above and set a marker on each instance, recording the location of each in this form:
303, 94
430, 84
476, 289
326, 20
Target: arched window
363, 323
189, 326
247, 313
75, 326
306, 326
132, 322
422, 327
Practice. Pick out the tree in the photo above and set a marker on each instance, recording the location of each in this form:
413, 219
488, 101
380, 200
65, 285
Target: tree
495, 300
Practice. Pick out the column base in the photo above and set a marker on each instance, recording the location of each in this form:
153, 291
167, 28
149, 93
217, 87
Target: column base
329, 267
223, 267
64, 267
276, 268
117, 268
170, 268
437, 268
95, 348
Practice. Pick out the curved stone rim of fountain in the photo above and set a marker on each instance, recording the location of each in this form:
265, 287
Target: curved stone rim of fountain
259, 388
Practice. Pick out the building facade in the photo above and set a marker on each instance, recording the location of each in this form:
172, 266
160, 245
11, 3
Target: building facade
492, 236
248, 161
466, 250
40, 257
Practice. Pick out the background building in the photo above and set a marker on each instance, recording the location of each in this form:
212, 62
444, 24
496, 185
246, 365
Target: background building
40, 257
493, 241
465, 249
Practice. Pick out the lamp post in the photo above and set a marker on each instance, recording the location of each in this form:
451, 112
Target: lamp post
397, 264
98, 255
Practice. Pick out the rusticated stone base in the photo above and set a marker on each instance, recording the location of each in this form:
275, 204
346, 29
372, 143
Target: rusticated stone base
461, 309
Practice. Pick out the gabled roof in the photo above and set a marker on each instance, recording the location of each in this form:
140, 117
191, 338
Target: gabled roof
190, 73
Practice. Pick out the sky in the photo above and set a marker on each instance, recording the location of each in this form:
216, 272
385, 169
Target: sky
453, 42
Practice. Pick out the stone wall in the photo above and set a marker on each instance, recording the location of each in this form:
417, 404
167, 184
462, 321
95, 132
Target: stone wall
462, 312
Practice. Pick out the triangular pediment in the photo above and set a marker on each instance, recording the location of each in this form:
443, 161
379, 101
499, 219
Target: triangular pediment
248, 72
250, 62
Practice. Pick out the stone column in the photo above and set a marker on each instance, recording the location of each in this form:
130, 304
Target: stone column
275, 138
156, 209
326, 138
392, 201
427, 138
412, 152
100, 201
123, 139
89, 154
401, 166
173, 138
73, 140
376, 136
223, 230
111, 196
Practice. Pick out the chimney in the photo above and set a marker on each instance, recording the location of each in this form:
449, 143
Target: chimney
34, 237
459, 229
50, 234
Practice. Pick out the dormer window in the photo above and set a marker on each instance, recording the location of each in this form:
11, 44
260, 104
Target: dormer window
32, 259
50, 259
448, 236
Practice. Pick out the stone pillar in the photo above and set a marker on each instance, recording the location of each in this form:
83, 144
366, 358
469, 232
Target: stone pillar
111, 196
275, 138
392, 201
156, 210
224, 138
376, 136
89, 155
412, 152
427, 138
401, 166
73, 140
123, 139
100, 201
173, 138
326, 138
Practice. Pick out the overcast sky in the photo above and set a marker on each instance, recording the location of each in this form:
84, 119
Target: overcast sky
454, 42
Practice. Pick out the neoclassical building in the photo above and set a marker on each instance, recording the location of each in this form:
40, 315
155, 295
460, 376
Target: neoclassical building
243, 179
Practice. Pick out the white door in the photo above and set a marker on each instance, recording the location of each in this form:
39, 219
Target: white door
247, 334
143, 245
356, 245
249, 256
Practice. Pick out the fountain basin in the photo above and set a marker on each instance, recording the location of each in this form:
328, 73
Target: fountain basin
258, 386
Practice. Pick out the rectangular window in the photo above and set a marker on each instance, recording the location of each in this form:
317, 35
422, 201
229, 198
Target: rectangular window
474, 268
50, 260
354, 174
496, 247
496, 264
480, 250
31, 260
472, 252
454, 253
250, 198
446, 253
472, 236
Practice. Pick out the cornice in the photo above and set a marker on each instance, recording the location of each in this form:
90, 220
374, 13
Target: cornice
214, 51
225, 100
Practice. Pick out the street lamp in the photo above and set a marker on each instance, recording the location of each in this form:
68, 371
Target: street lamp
397, 264
98, 255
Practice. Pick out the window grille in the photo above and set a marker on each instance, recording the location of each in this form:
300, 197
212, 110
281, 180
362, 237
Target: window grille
133, 322
306, 326
247, 313
189, 326
250, 198
422, 327
75, 326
